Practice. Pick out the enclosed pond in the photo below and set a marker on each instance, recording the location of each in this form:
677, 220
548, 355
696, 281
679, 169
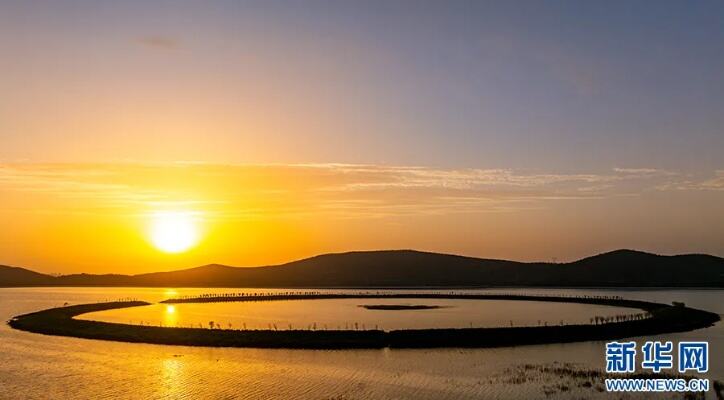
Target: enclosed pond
352, 314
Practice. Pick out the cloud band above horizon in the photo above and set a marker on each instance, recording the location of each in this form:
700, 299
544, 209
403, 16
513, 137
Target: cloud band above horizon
282, 211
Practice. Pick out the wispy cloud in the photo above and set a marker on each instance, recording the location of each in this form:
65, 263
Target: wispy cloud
340, 190
159, 42
713, 183
644, 171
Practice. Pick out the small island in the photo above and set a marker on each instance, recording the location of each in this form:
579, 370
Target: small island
391, 307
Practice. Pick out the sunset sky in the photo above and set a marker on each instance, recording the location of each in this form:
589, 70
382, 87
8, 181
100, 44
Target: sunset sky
281, 130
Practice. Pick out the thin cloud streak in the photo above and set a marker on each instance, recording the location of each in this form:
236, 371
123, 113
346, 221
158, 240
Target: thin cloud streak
338, 190
159, 42
715, 183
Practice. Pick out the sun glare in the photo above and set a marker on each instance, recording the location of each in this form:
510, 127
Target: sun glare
173, 231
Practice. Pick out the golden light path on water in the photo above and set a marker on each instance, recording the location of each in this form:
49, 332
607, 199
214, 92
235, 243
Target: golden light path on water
170, 318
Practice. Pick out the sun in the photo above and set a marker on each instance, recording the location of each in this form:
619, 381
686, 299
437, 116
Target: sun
173, 231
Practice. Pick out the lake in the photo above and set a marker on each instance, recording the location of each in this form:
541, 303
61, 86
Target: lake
37, 366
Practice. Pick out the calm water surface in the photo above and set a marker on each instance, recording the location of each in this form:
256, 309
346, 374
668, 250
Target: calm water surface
348, 314
38, 367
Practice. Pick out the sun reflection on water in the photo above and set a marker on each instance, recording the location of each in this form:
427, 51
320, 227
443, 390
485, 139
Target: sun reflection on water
170, 318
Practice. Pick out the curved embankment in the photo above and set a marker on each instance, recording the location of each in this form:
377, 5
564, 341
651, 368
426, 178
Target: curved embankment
663, 319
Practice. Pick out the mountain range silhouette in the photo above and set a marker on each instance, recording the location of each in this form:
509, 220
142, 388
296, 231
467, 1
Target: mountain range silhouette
410, 268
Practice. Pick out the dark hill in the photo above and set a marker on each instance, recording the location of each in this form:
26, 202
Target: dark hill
623, 266
408, 268
13, 276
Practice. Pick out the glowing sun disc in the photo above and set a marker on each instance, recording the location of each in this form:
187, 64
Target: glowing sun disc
173, 231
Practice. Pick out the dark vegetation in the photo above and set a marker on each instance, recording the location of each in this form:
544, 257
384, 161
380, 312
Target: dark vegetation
556, 378
407, 268
661, 318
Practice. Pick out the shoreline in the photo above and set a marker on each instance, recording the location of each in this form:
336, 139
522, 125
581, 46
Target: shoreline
664, 319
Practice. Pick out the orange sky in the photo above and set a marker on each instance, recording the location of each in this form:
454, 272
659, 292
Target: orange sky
97, 217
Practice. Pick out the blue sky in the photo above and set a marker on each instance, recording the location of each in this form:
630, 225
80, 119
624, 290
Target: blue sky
535, 85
